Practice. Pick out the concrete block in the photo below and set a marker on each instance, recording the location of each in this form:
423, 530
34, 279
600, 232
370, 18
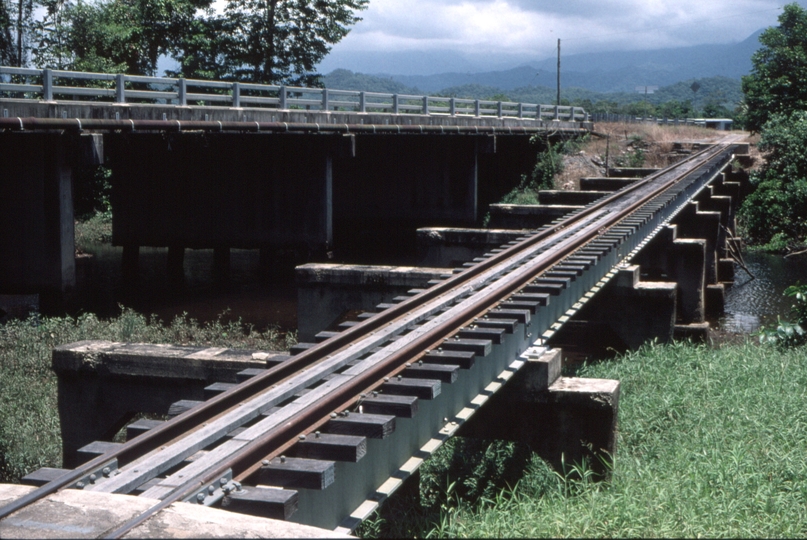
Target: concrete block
566, 421
565, 197
526, 216
450, 247
605, 183
102, 384
697, 332
88, 514
327, 291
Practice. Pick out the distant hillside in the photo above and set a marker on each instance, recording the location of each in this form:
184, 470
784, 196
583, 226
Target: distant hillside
615, 71
343, 79
723, 91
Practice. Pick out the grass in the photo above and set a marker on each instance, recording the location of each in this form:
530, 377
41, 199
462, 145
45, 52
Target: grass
712, 442
29, 421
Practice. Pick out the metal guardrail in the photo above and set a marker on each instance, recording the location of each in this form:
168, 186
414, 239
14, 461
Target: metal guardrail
119, 88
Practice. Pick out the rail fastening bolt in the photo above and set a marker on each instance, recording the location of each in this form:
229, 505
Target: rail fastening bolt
302, 437
106, 471
316, 434
386, 379
211, 489
265, 462
80, 485
333, 415
200, 497
222, 481
93, 478
282, 459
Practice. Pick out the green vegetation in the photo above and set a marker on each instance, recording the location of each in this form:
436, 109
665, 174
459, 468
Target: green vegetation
29, 422
790, 333
548, 165
711, 443
773, 215
274, 41
776, 83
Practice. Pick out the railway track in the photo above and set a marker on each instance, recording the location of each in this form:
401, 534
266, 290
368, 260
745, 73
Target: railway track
403, 372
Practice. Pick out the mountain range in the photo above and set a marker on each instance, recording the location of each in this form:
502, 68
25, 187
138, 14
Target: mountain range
614, 71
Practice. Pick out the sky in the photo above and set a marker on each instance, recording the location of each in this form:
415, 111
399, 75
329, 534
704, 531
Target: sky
530, 28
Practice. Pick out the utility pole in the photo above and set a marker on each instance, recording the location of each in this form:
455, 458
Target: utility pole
558, 101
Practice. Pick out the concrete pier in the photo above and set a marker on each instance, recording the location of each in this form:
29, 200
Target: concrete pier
103, 384
37, 248
562, 419
526, 216
325, 292
451, 247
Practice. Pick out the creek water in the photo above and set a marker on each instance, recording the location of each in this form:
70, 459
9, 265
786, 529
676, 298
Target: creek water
753, 303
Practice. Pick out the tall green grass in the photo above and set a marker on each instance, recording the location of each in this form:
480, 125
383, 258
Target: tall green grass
29, 421
712, 442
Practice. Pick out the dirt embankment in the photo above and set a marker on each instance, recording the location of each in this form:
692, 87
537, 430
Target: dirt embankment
633, 145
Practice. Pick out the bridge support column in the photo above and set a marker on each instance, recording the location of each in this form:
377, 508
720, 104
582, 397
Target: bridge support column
37, 245
691, 222
668, 258
635, 311
448, 247
562, 419
102, 384
327, 291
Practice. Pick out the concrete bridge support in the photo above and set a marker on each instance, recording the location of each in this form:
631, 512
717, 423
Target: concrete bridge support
669, 258
102, 384
634, 310
451, 247
325, 292
526, 216
562, 419
37, 249
693, 223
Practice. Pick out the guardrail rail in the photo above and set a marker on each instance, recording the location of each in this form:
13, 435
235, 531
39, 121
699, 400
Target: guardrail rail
50, 84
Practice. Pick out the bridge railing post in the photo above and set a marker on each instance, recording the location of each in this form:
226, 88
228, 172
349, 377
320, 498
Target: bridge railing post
47, 84
236, 95
281, 94
499, 110
452, 106
120, 90
182, 92
395, 104
325, 96
425, 104
573, 114
477, 108
557, 112
362, 102
521, 110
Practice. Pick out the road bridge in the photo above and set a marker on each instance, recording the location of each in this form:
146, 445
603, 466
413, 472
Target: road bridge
324, 435
220, 165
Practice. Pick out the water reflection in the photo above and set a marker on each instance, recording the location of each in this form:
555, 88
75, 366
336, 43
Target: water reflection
752, 303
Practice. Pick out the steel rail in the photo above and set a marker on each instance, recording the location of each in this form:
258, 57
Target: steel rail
178, 126
245, 461
190, 420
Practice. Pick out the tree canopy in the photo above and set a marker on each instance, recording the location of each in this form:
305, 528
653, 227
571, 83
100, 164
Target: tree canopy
776, 83
269, 41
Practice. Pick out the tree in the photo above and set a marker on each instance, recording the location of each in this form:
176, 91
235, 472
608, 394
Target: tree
774, 213
127, 35
15, 18
280, 41
776, 83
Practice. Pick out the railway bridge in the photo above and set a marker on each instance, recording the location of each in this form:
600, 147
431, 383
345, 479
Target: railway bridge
320, 435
